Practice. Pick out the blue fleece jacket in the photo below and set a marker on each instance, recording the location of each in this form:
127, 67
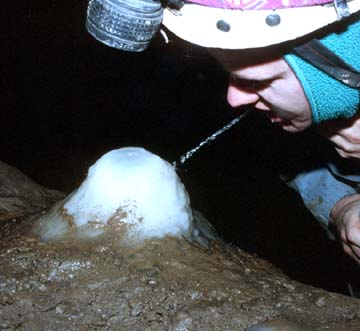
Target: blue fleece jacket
328, 98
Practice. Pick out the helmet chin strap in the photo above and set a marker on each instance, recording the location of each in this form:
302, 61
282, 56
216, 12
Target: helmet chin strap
324, 59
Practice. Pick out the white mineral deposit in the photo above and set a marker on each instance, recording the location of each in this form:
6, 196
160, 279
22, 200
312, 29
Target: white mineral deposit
128, 190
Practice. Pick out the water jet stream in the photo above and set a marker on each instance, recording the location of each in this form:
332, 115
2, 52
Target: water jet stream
191, 152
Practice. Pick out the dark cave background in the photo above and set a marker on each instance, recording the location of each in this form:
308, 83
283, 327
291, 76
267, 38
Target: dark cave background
66, 99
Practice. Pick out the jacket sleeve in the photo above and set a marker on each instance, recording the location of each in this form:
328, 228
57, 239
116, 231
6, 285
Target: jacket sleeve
328, 98
320, 189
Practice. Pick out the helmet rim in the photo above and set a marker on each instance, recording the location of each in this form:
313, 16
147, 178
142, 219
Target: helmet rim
252, 28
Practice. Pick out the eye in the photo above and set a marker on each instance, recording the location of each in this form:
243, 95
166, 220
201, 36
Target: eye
249, 84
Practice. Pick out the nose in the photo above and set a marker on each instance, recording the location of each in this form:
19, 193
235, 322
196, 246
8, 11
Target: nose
239, 96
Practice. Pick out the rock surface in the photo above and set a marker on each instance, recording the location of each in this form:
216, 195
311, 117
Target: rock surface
165, 284
20, 196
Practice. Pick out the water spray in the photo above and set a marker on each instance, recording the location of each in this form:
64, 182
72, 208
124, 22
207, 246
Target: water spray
192, 151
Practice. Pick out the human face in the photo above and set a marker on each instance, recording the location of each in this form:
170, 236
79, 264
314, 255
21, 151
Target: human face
269, 85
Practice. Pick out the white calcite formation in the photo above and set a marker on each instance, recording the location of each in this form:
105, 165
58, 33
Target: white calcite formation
132, 192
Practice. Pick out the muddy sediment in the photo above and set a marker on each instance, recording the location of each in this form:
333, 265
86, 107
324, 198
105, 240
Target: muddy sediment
163, 284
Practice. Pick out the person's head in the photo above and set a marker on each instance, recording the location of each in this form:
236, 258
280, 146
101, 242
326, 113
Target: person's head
267, 84
249, 38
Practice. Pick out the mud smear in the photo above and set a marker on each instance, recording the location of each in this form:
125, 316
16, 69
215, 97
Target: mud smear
167, 284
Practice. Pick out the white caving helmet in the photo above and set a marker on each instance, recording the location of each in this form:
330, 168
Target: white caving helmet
241, 24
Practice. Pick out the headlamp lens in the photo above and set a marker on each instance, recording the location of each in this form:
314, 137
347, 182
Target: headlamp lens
124, 24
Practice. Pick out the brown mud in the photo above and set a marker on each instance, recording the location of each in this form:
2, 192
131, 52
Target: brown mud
164, 284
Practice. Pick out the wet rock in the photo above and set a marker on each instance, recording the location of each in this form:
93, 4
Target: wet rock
137, 310
275, 325
4, 325
60, 309
321, 302
20, 196
67, 269
184, 324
